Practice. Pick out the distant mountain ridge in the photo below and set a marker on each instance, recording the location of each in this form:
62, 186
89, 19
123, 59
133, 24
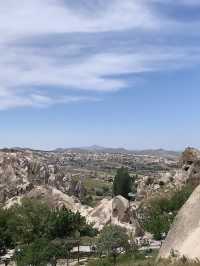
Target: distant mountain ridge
96, 148
149, 152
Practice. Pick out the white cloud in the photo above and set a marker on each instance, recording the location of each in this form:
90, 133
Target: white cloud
22, 18
23, 68
94, 73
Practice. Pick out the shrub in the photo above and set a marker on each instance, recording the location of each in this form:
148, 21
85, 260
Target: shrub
158, 214
99, 192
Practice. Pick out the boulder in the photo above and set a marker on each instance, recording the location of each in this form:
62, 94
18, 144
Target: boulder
120, 209
114, 211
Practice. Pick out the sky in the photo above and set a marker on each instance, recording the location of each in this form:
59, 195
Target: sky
111, 73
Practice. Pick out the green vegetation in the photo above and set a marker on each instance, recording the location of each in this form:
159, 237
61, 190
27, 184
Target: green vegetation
158, 214
111, 242
123, 183
138, 259
40, 252
40, 234
110, 238
5, 233
96, 189
123, 260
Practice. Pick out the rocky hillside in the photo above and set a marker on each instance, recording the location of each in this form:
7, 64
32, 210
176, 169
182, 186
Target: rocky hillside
115, 211
49, 176
21, 171
77, 173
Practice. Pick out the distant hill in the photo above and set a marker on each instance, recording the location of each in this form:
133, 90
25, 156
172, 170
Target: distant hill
95, 148
149, 152
158, 152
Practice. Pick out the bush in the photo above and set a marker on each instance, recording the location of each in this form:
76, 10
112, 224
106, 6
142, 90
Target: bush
99, 192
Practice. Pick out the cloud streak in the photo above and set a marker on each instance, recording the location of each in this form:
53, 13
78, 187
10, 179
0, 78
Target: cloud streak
39, 101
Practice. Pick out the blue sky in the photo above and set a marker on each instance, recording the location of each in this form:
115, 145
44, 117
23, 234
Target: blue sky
113, 73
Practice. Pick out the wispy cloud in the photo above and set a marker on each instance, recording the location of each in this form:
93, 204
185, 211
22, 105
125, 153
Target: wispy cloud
179, 2
40, 101
55, 16
33, 66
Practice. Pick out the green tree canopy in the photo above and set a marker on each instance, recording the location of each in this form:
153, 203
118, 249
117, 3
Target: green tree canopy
5, 234
123, 183
40, 253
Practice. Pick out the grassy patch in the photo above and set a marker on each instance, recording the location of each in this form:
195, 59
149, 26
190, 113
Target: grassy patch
123, 260
134, 260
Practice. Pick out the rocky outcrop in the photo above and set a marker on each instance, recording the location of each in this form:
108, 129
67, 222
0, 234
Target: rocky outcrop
20, 171
77, 189
183, 238
120, 209
189, 156
53, 197
115, 211
190, 163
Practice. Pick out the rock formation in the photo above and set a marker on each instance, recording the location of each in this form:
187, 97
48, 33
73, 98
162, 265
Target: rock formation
114, 211
190, 161
190, 155
20, 171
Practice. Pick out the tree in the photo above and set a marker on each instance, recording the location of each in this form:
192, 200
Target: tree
40, 253
63, 223
28, 221
111, 239
123, 183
